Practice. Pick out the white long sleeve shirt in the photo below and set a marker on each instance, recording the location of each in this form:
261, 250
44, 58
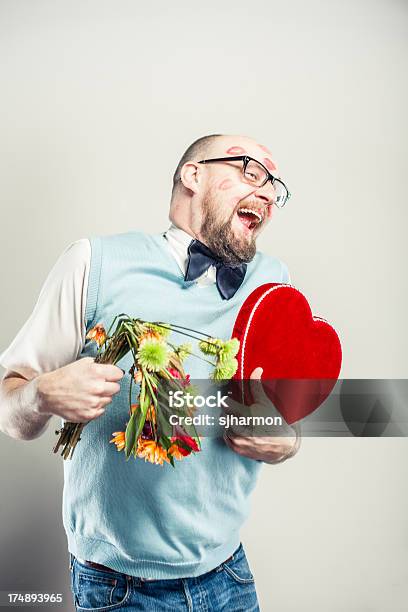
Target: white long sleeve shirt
54, 334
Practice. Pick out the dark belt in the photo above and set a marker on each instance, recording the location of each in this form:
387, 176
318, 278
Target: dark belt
99, 566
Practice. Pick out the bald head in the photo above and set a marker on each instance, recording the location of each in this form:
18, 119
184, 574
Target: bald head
223, 145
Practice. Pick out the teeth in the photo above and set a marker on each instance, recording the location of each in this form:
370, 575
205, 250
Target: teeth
254, 212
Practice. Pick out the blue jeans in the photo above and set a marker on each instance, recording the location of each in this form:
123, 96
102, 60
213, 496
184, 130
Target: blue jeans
230, 587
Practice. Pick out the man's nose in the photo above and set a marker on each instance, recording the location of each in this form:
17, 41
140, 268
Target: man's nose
266, 193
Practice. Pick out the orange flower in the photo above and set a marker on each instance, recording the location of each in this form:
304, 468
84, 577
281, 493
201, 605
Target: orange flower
152, 452
118, 439
149, 335
133, 408
175, 451
97, 334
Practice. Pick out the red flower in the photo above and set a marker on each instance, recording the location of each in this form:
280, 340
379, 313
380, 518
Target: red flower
176, 374
188, 440
186, 381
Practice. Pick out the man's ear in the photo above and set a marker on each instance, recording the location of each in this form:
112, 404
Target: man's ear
190, 176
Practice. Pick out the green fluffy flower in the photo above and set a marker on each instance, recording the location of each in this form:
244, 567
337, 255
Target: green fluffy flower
229, 350
153, 354
183, 351
225, 370
210, 346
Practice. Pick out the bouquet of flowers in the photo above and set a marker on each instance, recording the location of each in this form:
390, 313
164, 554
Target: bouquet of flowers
158, 370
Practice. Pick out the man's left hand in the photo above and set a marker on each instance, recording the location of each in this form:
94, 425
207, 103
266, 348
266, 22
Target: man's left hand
268, 448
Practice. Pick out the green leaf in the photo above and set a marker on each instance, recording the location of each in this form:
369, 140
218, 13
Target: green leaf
141, 414
165, 442
152, 393
140, 424
130, 434
146, 402
142, 391
163, 425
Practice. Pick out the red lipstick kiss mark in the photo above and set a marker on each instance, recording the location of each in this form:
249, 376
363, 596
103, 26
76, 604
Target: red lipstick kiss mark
264, 149
236, 151
225, 184
270, 165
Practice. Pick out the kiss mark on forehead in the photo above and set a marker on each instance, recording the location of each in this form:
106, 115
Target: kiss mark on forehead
269, 164
264, 149
225, 184
236, 151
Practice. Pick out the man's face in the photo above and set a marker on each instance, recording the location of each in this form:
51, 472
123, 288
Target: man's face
233, 211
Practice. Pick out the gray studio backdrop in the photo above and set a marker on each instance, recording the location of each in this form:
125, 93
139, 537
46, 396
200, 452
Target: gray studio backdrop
99, 100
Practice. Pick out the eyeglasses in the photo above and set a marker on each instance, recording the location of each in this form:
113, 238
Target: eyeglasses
256, 174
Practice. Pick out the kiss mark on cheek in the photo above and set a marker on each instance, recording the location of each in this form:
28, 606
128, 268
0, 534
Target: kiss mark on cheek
225, 184
269, 164
264, 149
236, 151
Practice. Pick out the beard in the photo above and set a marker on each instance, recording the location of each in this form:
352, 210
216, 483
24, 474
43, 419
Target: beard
219, 235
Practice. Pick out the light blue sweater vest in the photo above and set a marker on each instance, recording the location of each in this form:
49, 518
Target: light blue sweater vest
138, 518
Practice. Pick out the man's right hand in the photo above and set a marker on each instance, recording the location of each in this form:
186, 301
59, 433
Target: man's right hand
78, 392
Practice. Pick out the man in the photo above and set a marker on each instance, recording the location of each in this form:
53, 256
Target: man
142, 537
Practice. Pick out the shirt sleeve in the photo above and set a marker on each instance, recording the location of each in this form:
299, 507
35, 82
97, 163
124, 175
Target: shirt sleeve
54, 334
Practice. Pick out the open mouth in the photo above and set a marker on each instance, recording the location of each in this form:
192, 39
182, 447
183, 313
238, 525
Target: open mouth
249, 218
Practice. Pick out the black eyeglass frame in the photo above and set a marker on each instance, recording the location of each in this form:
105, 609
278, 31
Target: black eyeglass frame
246, 159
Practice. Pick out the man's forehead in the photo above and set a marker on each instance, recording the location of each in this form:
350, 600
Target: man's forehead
239, 145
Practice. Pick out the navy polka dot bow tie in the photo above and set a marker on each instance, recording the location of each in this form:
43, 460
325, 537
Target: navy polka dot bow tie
200, 258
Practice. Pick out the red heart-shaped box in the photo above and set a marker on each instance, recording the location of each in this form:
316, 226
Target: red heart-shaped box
300, 354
